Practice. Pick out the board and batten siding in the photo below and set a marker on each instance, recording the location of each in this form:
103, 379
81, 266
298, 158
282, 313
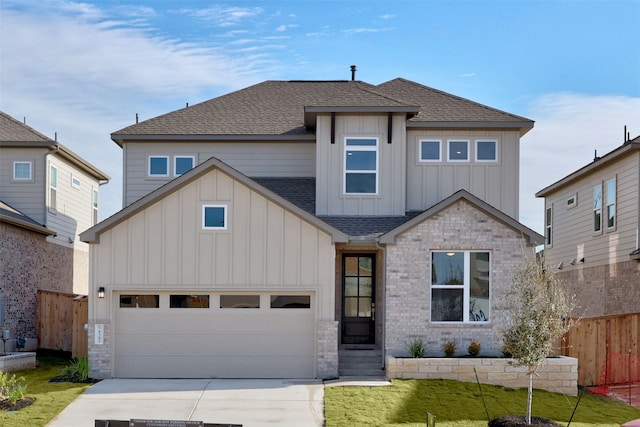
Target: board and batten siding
265, 247
572, 227
26, 196
494, 182
254, 159
330, 197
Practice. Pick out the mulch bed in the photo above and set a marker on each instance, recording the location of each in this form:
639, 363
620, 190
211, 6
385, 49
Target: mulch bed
63, 379
521, 421
7, 405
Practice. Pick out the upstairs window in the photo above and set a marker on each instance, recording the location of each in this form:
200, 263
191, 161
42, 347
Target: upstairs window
75, 182
611, 203
459, 151
158, 166
460, 286
486, 151
94, 206
182, 164
53, 187
22, 171
214, 217
548, 225
361, 166
430, 151
597, 208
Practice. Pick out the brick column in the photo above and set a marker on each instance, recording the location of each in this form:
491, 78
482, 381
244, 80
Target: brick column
99, 354
327, 361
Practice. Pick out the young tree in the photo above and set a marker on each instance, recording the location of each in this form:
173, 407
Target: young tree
539, 310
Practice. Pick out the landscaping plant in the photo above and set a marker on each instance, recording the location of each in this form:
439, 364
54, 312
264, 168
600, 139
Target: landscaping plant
77, 370
12, 388
449, 348
538, 317
474, 348
416, 348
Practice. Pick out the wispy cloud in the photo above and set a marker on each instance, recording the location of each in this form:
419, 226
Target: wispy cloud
224, 16
468, 75
387, 16
569, 128
366, 30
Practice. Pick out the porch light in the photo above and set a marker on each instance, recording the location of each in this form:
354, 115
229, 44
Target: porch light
101, 292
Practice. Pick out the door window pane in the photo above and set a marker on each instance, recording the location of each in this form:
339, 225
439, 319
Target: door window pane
351, 286
239, 301
290, 301
189, 301
140, 301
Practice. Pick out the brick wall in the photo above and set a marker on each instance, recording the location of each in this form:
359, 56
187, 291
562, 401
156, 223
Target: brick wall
327, 363
29, 262
99, 355
557, 374
459, 227
604, 290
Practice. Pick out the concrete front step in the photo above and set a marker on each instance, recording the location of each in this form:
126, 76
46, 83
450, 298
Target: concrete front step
360, 363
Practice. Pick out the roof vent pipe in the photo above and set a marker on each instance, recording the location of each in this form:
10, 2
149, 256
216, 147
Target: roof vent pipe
353, 72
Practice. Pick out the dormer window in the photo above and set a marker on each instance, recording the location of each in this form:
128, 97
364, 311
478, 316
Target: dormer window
361, 166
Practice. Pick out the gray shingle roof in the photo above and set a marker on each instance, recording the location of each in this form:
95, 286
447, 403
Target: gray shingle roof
14, 132
277, 108
13, 216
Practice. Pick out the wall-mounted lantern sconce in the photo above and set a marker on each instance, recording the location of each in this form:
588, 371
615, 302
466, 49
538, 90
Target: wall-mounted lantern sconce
101, 292
581, 261
560, 265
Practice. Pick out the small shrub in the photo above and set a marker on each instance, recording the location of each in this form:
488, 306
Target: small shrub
449, 348
417, 349
11, 387
77, 371
474, 348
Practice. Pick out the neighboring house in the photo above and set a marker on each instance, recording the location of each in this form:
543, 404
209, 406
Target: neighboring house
44, 183
306, 229
592, 223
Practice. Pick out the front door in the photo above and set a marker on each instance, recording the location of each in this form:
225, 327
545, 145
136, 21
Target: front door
358, 299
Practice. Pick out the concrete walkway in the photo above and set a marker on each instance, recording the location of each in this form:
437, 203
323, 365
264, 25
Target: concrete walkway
251, 403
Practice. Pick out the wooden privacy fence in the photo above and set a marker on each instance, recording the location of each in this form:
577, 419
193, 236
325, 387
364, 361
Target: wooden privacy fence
606, 348
61, 320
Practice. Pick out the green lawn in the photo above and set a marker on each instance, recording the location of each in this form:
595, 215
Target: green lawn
406, 402
51, 398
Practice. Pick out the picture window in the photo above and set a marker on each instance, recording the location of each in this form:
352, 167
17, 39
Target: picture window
214, 217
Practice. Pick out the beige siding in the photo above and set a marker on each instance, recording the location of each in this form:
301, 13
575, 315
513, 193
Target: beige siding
330, 197
264, 246
26, 196
494, 182
573, 235
255, 159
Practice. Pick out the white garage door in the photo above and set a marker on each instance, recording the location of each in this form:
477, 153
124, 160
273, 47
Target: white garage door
206, 335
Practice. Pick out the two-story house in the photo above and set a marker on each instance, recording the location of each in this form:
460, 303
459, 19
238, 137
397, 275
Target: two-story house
48, 195
592, 223
295, 228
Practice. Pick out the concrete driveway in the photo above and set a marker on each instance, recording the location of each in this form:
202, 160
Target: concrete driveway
248, 402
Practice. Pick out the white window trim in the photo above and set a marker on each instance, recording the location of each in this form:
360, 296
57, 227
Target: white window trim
548, 227
360, 148
420, 159
606, 204
593, 209
54, 188
449, 159
466, 288
157, 175
572, 201
175, 163
226, 212
95, 205
30, 163
497, 145
73, 180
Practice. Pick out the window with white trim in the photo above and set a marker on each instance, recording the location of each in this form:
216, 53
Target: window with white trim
53, 187
158, 166
548, 225
94, 206
183, 164
597, 208
214, 217
611, 203
460, 286
361, 166
430, 150
458, 150
22, 171
75, 182
486, 151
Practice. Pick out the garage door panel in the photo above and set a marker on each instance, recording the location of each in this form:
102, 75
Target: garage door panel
214, 342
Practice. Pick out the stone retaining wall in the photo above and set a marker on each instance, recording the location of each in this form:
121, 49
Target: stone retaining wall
558, 374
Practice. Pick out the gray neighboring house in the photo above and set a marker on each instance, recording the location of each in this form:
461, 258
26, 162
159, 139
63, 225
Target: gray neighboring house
48, 195
306, 229
592, 227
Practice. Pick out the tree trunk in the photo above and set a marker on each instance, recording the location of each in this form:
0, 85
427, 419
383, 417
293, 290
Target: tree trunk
529, 398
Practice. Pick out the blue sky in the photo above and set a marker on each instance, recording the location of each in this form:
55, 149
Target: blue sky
84, 69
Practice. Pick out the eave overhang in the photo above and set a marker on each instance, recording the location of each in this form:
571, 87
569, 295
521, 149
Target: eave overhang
523, 126
27, 225
311, 112
120, 139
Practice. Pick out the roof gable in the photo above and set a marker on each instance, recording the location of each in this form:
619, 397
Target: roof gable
532, 237
16, 133
93, 234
